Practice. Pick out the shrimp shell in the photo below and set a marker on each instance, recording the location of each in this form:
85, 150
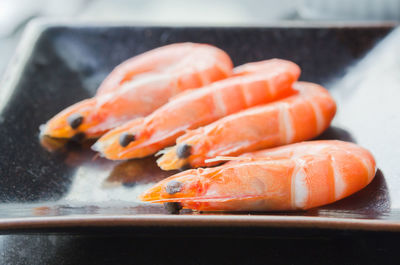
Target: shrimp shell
253, 84
293, 119
140, 85
292, 177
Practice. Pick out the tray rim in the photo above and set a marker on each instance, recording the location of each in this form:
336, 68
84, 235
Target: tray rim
24, 49
152, 220
53, 22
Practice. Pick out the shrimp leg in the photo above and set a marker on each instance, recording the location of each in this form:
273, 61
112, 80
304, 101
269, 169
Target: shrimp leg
296, 118
293, 177
139, 86
253, 84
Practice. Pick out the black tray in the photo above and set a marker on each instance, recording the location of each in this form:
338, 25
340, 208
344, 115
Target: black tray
58, 64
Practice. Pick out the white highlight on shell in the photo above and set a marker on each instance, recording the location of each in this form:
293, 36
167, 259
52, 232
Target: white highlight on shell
371, 170
301, 193
340, 184
219, 103
246, 95
299, 186
318, 115
271, 87
286, 121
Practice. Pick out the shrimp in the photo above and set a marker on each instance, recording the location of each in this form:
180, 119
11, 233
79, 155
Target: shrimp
292, 177
296, 118
139, 86
252, 84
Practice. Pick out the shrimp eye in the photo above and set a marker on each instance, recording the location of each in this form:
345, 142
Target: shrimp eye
126, 138
173, 187
173, 207
183, 150
74, 120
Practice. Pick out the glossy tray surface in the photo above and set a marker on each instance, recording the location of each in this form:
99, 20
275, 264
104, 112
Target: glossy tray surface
59, 64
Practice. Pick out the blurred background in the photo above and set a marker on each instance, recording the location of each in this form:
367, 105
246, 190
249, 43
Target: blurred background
16, 14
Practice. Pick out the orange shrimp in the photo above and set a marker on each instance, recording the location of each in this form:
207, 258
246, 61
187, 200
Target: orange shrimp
139, 86
296, 118
253, 84
292, 177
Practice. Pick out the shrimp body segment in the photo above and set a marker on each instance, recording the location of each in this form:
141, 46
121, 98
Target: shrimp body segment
296, 118
292, 177
253, 84
139, 86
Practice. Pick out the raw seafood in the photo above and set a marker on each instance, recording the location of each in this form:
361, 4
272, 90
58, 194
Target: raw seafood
140, 85
291, 177
253, 84
297, 118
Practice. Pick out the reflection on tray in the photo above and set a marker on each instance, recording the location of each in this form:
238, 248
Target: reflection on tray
137, 171
72, 152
